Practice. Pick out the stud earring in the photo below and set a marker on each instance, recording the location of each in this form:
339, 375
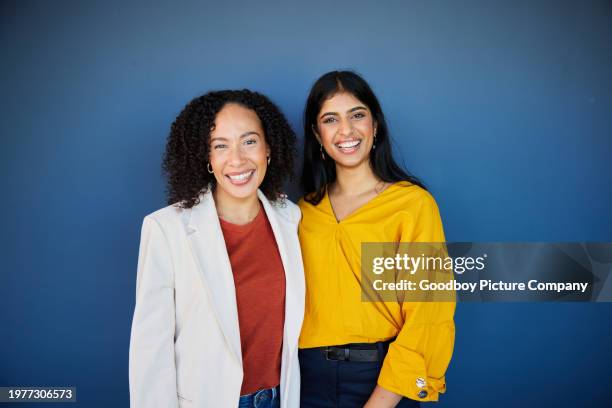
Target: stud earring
322, 154
210, 170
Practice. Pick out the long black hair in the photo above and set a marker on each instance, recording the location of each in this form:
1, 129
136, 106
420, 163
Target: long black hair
318, 173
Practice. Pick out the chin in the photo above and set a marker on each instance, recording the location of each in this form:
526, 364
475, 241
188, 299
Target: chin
239, 192
350, 162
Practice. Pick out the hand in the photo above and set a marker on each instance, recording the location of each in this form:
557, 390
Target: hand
382, 398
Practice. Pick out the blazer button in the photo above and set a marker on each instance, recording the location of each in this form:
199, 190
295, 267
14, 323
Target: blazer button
422, 394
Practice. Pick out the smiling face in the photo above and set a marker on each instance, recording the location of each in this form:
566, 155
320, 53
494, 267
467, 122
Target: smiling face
238, 152
346, 128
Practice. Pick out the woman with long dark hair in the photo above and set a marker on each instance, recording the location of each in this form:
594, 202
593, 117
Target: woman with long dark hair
354, 353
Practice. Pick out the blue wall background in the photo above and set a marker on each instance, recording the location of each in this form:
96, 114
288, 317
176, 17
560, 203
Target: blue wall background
503, 108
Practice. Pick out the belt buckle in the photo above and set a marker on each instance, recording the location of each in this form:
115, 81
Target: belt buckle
339, 356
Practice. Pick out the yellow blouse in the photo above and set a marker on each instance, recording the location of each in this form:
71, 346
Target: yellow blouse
335, 314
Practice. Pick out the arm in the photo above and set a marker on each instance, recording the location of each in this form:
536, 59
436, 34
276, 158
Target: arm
381, 398
418, 358
152, 370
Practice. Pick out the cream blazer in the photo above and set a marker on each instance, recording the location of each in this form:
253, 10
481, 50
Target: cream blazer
185, 341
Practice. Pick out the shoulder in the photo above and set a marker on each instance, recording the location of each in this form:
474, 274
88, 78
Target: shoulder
306, 205
311, 213
410, 195
167, 218
303, 203
418, 215
287, 209
405, 202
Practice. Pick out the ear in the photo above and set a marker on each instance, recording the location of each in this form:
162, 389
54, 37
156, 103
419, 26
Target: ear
314, 132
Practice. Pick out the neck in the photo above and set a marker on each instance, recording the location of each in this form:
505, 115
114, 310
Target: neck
355, 180
236, 210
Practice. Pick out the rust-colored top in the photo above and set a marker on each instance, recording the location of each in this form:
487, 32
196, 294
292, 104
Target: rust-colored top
259, 279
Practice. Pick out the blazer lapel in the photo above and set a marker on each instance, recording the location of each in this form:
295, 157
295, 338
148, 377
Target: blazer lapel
208, 246
282, 230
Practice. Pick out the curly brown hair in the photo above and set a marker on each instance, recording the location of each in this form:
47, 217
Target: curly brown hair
188, 147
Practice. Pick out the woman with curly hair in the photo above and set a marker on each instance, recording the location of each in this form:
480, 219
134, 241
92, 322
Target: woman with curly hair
356, 353
220, 289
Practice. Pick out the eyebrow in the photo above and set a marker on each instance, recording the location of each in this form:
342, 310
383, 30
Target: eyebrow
245, 134
356, 108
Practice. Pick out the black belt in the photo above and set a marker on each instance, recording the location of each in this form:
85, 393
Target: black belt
358, 352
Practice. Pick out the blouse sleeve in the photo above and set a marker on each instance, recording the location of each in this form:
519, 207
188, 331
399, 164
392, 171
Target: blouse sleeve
419, 356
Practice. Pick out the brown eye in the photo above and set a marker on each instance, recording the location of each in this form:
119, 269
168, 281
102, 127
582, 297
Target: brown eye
329, 119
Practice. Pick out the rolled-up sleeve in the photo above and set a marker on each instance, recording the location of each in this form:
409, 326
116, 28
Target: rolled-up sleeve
152, 371
416, 362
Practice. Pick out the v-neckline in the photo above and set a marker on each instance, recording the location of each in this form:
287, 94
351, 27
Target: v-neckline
358, 209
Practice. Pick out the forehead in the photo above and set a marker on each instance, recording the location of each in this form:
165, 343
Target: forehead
234, 119
341, 102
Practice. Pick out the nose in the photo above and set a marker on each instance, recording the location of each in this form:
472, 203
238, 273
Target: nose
346, 128
236, 158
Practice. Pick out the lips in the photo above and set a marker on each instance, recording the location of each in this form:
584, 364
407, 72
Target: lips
241, 178
348, 146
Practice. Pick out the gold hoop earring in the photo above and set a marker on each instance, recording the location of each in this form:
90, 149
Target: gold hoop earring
321, 149
210, 170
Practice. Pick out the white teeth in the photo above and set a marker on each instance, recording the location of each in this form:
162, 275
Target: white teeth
240, 177
348, 145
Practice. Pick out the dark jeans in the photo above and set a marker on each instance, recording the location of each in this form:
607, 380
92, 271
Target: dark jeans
268, 398
339, 384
